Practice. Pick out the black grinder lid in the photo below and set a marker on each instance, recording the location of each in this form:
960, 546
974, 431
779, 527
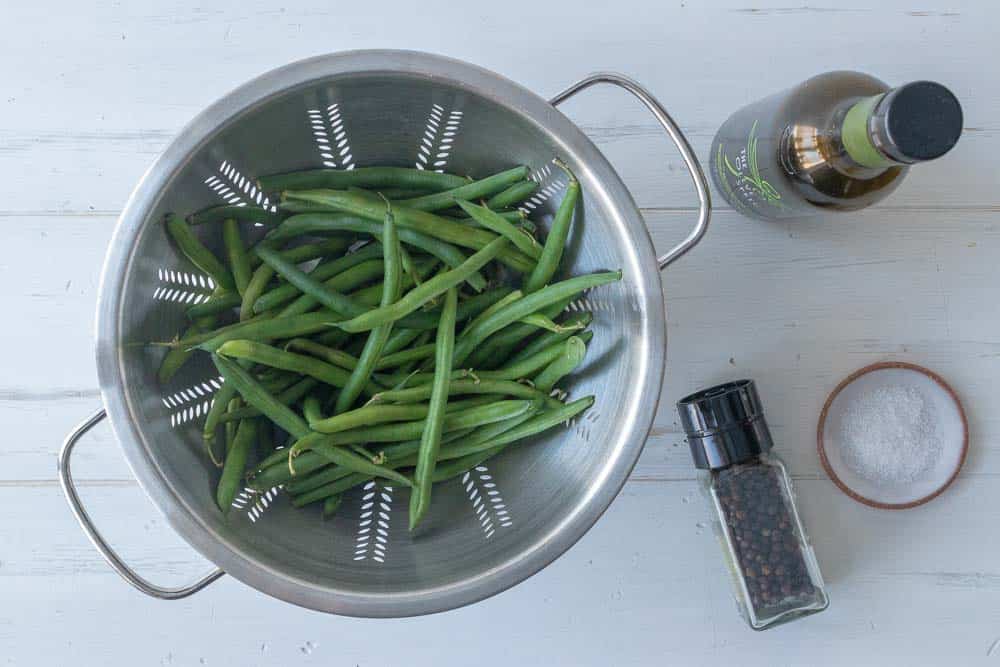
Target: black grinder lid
922, 121
725, 424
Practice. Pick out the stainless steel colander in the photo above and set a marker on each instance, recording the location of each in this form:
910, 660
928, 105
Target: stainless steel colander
500, 522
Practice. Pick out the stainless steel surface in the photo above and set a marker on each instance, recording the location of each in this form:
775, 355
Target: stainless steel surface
668, 124
495, 526
114, 560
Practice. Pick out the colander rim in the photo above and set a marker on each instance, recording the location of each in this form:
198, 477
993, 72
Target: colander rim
194, 529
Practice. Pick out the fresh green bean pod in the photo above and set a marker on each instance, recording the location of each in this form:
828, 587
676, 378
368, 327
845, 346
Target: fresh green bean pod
333, 269
328, 222
574, 350
239, 260
235, 465
430, 439
422, 221
219, 302
513, 195
418, 296
531, 303
254, 394
362, 177
580, 319
485, 187
287, 396
378, 336
496, 223
261, 353
195, 250
555, 243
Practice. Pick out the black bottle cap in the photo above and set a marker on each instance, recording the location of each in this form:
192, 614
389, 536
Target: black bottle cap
725, 424
921, 120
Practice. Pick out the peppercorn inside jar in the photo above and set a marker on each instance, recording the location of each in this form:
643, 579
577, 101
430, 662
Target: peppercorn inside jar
775, 575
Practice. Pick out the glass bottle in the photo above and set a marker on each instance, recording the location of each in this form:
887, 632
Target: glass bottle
839, 141
774, 571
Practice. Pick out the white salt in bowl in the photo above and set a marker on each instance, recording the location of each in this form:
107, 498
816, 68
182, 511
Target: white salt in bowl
947, 428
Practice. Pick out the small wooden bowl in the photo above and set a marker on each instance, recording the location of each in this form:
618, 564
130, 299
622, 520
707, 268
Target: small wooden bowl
953, 429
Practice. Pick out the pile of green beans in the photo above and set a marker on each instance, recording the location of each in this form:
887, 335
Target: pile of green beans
387, 323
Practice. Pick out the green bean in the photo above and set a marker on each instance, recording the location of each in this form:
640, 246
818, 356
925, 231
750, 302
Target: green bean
219, 302
362, 177
235, 465
348, 281
430, 439
416, 353
325, 271
327, 294
459, 386
476, 416
494, 222
262, 329
328, 354
486, 434
254, 394
229, 428
541, 422
404, 454
546, 296
552, 252
273, 471
239, 261
264, 273
265, 438
421, 221
327, 222
498, 347
541, 321
400, 338
194, 250
312, 409
227, 211
304, 482
474, 190
331, 505
348, 459
408, 266
515, 194
580, 320
287, 396
261, 353
333, 489
315, 478
175, 358
395, 194
369, 415
380, 334
418, 296
573, 353
214, 417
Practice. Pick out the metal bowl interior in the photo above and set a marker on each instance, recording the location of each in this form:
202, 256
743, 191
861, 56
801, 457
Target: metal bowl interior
499, 523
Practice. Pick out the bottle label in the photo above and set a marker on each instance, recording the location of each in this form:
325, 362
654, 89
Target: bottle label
746, 181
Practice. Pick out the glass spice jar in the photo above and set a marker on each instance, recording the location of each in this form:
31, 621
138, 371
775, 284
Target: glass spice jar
774, 571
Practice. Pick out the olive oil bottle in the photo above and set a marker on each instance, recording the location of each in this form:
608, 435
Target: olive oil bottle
839, 141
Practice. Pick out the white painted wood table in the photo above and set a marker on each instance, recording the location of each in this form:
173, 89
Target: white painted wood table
92, 91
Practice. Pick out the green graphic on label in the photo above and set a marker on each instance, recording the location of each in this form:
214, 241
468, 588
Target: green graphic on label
747, 173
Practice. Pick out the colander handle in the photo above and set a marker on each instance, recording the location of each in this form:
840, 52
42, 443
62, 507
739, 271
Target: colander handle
661, 115
114, 560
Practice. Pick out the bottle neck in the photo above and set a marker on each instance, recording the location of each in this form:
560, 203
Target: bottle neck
865, 135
